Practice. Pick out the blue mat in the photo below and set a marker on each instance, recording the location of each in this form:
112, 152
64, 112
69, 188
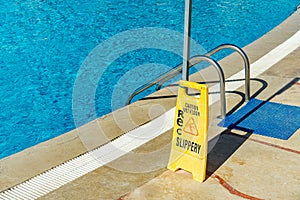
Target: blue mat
265, 118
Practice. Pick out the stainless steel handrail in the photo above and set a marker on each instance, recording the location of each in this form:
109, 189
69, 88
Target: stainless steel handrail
246, 64
197, 59
210, 53
221, 77
148, 85
222, 81
169, 75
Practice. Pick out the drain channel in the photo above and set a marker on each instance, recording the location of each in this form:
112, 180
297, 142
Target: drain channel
52, 179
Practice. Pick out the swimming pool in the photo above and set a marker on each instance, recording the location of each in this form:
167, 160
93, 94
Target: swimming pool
43, 44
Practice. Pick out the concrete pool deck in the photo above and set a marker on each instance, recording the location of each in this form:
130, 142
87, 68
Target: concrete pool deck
240, 165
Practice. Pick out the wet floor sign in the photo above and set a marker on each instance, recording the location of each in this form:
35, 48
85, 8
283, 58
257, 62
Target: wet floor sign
189, 143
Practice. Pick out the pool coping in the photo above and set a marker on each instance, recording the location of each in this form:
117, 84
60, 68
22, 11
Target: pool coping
44, 156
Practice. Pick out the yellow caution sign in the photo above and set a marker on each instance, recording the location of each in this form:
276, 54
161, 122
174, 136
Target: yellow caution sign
189, 143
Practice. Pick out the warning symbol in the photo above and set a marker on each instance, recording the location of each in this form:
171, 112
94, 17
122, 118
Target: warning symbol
191, 127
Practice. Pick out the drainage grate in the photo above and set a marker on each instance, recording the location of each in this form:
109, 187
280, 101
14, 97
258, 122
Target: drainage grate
52, 179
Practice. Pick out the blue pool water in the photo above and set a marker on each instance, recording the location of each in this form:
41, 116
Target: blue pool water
44, 43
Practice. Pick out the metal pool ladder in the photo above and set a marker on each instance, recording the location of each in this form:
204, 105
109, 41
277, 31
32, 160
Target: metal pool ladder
197, 59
